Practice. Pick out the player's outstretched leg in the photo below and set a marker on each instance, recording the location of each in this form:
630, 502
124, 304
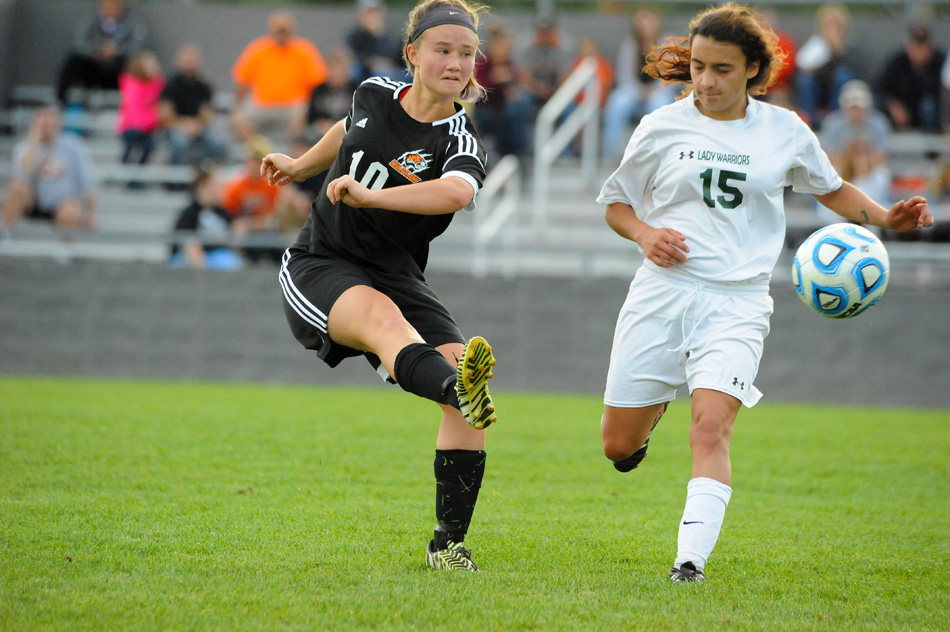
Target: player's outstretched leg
474, 371
632, 461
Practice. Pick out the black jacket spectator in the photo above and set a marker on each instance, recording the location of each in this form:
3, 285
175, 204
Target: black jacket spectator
910, 84
103, 46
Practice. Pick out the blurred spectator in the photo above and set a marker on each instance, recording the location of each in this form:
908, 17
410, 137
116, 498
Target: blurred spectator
262, 208
275, 75
940, 201
824, 64
308, 189
186, 111
637, 93
375, 52
139, 88
503, 117
910, 83
589, 47
330, 101
103, 46
546, 59
945, 96
782, 91
52, 178
856, 119
861, 165
208, 226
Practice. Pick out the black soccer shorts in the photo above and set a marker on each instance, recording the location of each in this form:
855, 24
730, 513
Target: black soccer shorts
312, 283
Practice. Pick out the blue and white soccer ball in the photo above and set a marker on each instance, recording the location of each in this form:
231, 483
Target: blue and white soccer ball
841, 270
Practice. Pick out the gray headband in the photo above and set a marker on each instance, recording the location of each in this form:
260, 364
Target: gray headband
443, 15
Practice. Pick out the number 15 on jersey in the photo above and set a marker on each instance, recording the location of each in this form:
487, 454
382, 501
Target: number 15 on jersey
724, 187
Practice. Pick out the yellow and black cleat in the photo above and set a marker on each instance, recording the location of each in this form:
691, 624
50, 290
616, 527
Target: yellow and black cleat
471, 384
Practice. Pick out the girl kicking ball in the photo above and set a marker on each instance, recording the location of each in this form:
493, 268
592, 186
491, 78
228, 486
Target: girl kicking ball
401, 164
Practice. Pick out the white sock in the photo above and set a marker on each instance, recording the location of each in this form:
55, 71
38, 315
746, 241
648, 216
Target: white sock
706, 502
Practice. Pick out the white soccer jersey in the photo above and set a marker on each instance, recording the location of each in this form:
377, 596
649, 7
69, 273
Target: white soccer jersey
720, 183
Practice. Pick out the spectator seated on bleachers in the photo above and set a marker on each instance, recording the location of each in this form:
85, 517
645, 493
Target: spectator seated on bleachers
502, 118
782, 91
856, 138
636, 93
102, 48
910, 83
330, 101
855, 119
945, 96
139, 88
825, 63
376, 53
545, 59
275, 76
52, 179
940, 201
204, 230
266, 211
186, 111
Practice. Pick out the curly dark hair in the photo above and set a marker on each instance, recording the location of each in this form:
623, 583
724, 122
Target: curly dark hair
731, 24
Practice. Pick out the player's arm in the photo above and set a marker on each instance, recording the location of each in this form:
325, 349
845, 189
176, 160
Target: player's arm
663, 246
281, 169
852, 203
433, 197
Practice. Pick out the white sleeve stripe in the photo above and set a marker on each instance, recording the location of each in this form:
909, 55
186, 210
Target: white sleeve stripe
464, 176
464, 155
385, 83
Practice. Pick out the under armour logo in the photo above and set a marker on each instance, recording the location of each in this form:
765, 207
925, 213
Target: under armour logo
736, 382
683, 155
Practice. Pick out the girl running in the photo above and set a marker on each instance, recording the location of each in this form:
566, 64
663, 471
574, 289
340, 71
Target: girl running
700, 190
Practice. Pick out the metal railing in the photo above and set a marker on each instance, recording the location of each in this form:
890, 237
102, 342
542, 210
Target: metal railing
500, 198
551, 137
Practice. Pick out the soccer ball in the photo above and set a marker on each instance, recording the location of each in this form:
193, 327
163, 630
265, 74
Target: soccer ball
841, 270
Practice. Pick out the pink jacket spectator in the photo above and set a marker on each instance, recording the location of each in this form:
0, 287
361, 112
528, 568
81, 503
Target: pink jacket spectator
138, 103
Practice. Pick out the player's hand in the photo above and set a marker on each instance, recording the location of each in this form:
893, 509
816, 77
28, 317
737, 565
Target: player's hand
347, 190
664, 246
278, 169
905, 216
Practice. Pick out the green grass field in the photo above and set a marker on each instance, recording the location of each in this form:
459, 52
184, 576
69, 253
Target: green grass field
167, 506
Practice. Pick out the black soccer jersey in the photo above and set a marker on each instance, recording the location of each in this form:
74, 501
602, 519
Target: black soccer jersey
385, 147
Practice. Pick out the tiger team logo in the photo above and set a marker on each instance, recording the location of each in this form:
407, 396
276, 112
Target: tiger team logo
411, 163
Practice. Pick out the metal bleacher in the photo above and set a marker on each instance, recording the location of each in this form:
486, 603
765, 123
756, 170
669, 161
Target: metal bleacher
136, 204
135, 222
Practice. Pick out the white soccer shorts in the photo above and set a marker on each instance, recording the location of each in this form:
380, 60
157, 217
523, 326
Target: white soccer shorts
673, 331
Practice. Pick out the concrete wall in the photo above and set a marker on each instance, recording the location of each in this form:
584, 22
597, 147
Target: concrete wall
44, 30
550, 335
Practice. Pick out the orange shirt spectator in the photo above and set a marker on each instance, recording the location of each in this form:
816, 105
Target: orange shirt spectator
278, 74
275, 76
605, 70
250, 196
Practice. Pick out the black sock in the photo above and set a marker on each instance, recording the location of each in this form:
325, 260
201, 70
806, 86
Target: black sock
458, 477
423, 371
